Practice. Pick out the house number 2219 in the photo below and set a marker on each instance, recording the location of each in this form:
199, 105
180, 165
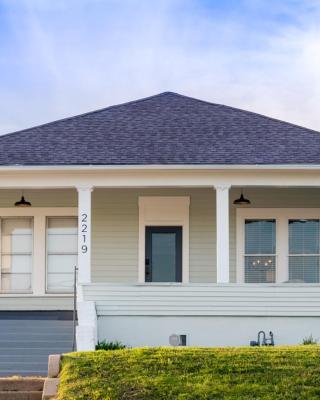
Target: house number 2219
84, 232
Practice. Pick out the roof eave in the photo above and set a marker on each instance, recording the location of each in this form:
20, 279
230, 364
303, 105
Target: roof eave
31, 168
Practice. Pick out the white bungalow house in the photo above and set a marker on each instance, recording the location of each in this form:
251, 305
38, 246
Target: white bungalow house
163, 243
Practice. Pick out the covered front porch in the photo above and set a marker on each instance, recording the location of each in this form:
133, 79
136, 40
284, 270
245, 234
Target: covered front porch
212, 262
263, 242
245, 269
274, 239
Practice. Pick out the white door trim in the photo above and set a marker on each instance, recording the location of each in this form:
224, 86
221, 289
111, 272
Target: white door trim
164, 211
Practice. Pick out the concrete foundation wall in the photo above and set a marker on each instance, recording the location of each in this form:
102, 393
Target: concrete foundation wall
205, 331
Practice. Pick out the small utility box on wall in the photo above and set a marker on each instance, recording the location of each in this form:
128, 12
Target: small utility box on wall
178, 340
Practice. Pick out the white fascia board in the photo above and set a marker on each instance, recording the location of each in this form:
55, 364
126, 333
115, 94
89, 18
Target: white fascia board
145, 167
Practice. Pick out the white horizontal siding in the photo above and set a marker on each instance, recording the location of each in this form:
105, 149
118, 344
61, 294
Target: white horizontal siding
116, 219
202, 300
115, 233
114, 236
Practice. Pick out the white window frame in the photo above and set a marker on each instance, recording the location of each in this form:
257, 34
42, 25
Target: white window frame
2, 217
47, 220
282, 217
39, 215
164, 211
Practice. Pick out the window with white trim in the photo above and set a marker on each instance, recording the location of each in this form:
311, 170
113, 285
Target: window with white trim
62, 239
16, 254
304, 250
260, 251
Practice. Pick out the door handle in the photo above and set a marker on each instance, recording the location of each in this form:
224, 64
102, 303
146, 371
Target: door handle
147, 266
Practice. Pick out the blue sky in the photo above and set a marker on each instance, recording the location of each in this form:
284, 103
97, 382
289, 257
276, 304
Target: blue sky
64, 57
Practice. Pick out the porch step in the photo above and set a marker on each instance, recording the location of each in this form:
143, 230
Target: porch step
26, 340
21, 388
21, 384
20, 395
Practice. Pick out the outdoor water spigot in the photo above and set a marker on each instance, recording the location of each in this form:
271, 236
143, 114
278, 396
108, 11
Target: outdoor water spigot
265, 341
271, 339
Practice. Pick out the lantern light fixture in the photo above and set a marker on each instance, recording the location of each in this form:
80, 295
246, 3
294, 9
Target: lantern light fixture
241, 201
22, 202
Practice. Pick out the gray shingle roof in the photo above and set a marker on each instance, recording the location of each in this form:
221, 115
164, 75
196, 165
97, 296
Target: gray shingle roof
164, 129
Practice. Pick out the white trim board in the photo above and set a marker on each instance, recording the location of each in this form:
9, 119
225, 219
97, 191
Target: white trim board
52, 179
164, 211
281, 215
158, 167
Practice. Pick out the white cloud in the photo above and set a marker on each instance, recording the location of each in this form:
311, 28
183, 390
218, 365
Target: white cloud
70, 57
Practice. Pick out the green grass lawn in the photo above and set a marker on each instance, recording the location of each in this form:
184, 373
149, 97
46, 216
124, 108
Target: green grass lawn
192, 373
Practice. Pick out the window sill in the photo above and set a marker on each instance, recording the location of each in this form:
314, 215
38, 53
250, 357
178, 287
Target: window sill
59, 294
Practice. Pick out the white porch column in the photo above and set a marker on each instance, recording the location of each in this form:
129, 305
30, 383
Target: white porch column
84, 234
222, 238
39, 255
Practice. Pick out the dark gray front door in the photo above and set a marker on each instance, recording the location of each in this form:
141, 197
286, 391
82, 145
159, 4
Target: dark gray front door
163, 254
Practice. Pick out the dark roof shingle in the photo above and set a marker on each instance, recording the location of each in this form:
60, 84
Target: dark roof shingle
164, 129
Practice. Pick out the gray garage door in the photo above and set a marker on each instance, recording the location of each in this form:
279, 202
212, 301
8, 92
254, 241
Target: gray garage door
28, 337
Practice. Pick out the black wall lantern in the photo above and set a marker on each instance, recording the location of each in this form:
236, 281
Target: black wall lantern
241, 201
22, 202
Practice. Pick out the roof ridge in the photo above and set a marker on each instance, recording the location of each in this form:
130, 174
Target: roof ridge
89, 113
166, 93
244, 111
138, 134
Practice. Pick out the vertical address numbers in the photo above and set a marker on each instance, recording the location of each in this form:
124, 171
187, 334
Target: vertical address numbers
84, 232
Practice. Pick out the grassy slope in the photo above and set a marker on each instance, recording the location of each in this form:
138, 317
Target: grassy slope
193, 373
